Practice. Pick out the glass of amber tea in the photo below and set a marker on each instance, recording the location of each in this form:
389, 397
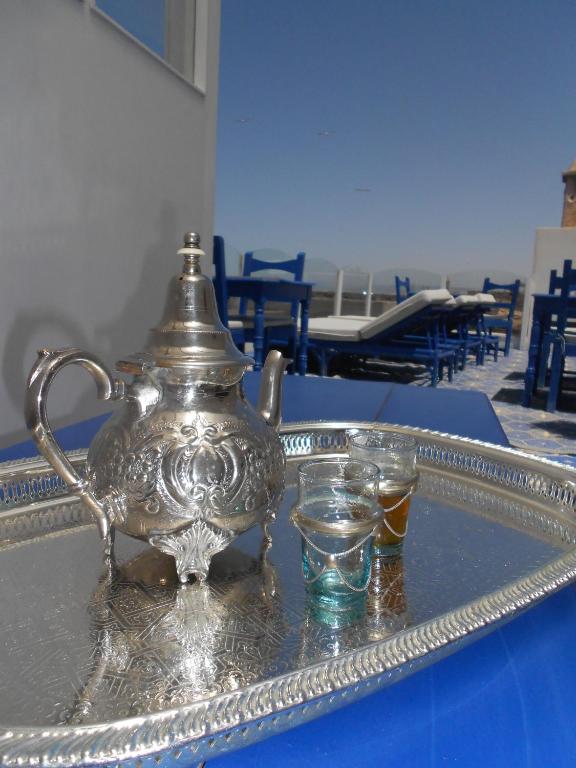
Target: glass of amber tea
395, 456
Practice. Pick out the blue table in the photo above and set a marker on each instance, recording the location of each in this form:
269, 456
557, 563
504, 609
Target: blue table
506, 700
323, 399
261, 291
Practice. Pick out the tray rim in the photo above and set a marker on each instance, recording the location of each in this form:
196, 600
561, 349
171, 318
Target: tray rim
532, 460
176, 728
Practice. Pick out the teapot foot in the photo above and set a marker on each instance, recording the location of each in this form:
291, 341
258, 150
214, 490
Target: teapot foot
107, 543
269, 518
192, 548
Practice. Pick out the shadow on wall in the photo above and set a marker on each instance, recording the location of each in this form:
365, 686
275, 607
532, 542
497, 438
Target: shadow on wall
119, 334
128, 332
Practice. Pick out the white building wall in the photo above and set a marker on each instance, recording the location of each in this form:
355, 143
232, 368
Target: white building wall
106, 158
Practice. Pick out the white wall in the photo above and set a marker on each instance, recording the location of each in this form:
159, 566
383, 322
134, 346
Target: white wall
106, 158
551, 247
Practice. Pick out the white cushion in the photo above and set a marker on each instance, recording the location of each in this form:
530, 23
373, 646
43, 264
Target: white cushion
411, 306
486, 298
346, 320
356, 328
335, 328
269, 322
465, 300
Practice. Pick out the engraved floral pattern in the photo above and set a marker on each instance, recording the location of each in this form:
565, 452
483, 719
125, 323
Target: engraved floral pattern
194, 471
139, 472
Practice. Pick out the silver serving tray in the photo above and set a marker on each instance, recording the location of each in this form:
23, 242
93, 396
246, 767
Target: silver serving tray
122, 665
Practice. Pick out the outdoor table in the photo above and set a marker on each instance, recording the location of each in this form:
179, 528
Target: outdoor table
262, 290
505, 700
546, 305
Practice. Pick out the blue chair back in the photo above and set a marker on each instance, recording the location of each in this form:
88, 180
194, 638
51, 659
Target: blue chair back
512, 288
219, 280
402, 285
566, 282
253, 263
555, 336
555, 282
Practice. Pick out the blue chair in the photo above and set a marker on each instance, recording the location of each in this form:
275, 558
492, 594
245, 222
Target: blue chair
241, 325
466, 326
294, 267
461, 329
282, 330
556, 284
219, 278
403, 290
557, 336
502, 322
236, 327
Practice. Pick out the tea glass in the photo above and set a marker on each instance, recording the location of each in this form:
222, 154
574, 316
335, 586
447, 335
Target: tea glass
336, 513
395, 455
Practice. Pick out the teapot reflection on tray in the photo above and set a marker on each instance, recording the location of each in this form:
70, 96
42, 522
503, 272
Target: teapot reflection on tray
159, 644
187, 464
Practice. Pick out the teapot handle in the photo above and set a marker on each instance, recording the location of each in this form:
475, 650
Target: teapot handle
49, 362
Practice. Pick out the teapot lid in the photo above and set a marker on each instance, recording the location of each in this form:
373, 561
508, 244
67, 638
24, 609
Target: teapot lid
190, 334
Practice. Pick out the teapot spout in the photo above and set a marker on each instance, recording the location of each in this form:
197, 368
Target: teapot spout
270, 399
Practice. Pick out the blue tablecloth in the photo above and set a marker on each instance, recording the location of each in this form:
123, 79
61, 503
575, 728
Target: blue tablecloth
446, 410
313, 398
506, 700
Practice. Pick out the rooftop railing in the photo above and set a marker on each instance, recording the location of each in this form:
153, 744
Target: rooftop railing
354, 290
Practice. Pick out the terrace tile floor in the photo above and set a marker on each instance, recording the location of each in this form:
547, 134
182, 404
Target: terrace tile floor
531, 429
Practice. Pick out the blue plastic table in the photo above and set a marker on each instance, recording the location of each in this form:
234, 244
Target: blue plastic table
260, 291
506, 700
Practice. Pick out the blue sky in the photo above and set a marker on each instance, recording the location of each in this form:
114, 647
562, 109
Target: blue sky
458, 116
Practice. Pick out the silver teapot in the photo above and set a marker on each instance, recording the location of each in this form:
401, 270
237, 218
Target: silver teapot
187, 464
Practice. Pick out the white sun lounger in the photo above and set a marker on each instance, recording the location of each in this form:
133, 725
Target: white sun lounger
384, 336
356, 328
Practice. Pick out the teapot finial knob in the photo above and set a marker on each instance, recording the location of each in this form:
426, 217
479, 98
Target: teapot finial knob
192, 253
191, 240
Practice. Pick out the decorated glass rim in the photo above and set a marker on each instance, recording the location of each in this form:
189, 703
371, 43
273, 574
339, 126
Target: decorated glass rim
381, 439
331, 473
396, 447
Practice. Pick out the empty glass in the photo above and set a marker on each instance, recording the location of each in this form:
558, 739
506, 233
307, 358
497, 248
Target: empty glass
337, 513
395, 455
